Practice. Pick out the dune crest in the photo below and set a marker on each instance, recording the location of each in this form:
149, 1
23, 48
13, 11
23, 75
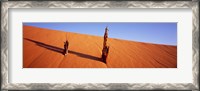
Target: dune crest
42, 48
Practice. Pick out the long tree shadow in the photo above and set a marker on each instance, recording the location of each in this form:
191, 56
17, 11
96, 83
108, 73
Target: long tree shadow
60, 50
50, 47
85, 55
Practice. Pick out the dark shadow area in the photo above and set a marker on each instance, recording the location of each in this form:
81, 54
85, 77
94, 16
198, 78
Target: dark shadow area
50, 47
85, 55
60, 50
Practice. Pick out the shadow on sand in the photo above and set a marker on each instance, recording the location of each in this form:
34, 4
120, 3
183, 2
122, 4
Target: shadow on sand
60, 50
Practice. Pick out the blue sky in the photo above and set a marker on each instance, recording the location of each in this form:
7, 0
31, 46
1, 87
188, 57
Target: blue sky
157, 33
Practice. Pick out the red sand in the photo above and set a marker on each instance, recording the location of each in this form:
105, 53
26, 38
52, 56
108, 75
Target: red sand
42, 48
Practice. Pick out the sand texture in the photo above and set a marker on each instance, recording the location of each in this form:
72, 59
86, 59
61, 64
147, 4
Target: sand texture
43, 48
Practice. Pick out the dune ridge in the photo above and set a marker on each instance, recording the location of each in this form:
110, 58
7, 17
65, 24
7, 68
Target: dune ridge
42, 48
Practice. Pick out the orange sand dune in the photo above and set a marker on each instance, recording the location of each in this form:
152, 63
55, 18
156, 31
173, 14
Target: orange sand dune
42, 48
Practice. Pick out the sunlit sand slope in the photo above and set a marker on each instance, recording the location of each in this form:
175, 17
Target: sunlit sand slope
42, 48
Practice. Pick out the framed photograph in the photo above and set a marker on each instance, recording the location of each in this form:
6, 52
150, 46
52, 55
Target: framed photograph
101, 45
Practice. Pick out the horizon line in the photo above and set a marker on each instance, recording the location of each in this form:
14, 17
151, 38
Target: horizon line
102, 36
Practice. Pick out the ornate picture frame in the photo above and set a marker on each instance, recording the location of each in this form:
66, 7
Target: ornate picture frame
6, 5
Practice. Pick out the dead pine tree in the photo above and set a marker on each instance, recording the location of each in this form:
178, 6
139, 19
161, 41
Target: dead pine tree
105, 37
66, 46
105, 50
